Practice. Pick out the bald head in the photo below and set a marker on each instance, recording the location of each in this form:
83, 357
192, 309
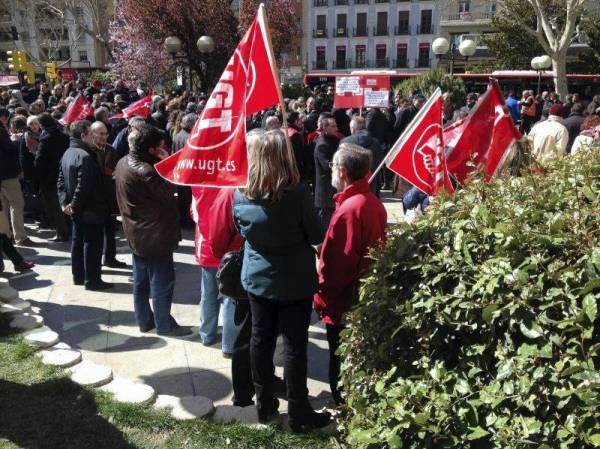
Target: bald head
100, 134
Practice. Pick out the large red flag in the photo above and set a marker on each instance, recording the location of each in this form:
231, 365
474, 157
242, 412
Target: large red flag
486, 135
140, 107
215, 153
418, 155
79, 109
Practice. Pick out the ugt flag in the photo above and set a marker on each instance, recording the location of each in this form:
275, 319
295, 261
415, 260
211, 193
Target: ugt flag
484, 137
140, 107
418, 155
215, 153
79, 109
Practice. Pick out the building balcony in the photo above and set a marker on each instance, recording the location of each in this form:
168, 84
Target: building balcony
360, 32
400, 63
361, 2
466, 18
318, 3
358, 64
340, 32
425, 28
319, 65
402, 29
381, 31
423, 62
382, 1
320, 33
341, 64
382, 63
341, 2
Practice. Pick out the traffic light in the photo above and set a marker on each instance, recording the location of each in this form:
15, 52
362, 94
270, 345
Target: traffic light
17, 60
51, 70
29, 70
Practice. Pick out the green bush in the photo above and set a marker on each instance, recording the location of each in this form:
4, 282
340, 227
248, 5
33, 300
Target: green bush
477, 326
428, 82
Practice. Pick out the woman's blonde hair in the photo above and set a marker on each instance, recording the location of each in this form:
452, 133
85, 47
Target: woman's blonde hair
272, 167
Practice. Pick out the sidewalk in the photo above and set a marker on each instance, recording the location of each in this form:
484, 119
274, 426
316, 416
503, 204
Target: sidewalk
102, 324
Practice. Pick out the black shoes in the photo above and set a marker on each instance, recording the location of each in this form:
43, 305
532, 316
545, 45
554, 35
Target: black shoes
309, 422
99, 286
115, 264
58, 238
269, 415
178, 331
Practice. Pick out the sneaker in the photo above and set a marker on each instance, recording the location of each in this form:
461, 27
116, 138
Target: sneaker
178, 331
115, 264
99, 286
311, 422
25, 242
24, 266
227, 355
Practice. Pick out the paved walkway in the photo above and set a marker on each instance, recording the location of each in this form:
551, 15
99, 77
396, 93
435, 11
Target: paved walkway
102, 324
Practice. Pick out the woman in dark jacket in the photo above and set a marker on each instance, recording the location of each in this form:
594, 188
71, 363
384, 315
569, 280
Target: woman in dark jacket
276, 217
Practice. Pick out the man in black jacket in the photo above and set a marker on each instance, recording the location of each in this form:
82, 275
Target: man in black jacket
360, 135
53, 144
82, 197
325, 147
573, 123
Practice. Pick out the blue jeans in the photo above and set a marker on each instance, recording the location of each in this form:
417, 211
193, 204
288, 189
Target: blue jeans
153, 277
209, 312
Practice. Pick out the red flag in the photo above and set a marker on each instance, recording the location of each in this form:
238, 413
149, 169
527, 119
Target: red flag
486, 135
140, 107
418, 155
215, 153
79, 109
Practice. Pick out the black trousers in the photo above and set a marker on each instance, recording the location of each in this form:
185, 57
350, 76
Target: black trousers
269, 317
241, 371
335, 361
51, 208
86, 252
11, 252
184, 200
110, 245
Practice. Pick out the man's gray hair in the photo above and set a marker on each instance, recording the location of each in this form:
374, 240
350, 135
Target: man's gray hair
358, 122
355, 159
100, 113
79, 127
188, 120
272, 123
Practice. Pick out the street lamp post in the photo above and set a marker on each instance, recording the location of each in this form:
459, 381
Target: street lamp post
441, 46
539, 64
205, 45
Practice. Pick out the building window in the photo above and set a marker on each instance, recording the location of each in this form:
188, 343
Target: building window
425, 26
321, 30
381, 55
423, 60
361, 24
403, 23
321, 59
464, 6
382, 24
340, 57
402, 56
83, 56
361, 51
341, 30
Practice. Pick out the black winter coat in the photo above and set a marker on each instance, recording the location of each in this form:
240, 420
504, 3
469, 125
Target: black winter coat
81, 184
378, 125
53, 145
325, 148
573, 124
10, 167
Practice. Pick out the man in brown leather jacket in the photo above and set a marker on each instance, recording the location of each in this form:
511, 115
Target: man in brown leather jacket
151, 224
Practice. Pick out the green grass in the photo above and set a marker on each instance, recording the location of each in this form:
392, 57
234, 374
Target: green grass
41, 408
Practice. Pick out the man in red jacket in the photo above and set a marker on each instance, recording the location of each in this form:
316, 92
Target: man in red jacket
357, 225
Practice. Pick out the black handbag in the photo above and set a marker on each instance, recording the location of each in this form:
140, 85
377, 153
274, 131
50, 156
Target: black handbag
229, 275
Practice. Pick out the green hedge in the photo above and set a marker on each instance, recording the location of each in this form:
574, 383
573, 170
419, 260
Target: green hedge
476, 327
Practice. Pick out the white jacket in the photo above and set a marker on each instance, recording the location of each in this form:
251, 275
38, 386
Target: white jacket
549, 139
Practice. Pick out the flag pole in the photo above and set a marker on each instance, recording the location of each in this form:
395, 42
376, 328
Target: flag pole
414, 122
264, 24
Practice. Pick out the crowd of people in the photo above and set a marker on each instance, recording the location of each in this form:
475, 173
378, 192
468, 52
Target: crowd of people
306, 220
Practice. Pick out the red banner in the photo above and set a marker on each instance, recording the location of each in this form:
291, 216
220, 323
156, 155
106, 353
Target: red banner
78, 109
215, 153
418, 155
140, 107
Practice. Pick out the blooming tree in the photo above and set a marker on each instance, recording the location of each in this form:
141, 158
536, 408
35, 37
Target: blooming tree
143, 25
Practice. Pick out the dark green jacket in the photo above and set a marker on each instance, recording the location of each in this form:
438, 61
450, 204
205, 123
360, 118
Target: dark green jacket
279, 262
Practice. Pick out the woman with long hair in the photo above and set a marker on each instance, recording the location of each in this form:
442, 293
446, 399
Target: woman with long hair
276, 217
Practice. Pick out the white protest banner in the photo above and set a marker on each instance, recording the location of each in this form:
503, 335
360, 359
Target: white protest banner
376, 98
347, 84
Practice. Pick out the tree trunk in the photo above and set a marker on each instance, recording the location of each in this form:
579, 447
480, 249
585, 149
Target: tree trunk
559, 67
